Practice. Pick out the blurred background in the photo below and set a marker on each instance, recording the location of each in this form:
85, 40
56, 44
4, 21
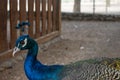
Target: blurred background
91, 6
87, 6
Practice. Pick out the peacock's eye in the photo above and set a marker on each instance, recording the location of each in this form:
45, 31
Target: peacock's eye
22, 42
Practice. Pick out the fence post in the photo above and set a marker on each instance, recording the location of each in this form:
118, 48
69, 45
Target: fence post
30, 16
43, 17
49, 16
37, 19
59, 15
54, 15
13, 22
22, 10
3, 25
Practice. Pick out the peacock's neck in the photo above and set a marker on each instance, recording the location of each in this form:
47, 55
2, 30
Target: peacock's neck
32, 53
33, 67
31, 57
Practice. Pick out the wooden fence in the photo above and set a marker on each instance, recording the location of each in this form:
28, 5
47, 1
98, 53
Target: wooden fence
43, 15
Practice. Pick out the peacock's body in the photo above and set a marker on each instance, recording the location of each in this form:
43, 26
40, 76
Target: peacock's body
86, 70
93, 69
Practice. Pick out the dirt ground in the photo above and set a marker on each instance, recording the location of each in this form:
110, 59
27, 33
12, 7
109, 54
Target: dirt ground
79, 40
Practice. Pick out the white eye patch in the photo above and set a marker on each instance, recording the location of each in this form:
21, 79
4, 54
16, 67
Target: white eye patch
25, 42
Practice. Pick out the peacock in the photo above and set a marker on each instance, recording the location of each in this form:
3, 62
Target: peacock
91, 69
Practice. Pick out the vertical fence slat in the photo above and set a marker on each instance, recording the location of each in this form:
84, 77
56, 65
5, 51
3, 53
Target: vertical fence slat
37, 34
13, 22
48, 21
3, 25
22, 10
43, 17
59, 15
54, 15
30, 16
49, 16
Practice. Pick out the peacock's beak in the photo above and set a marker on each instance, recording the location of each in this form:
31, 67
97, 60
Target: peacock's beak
15, 50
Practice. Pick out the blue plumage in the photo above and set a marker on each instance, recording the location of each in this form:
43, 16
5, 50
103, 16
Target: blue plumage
34, 69
93, 69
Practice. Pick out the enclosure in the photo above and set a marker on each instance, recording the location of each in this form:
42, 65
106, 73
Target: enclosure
64, 36
44, 18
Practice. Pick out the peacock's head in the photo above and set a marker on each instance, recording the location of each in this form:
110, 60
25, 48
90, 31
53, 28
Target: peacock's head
24, 41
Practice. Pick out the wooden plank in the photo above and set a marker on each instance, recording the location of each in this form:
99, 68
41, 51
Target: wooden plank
8, 54
48, 37
43, 17
3, 25
37, 34
54, 15
49, 16
13, 22
22, 10
58, 26
30, 17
